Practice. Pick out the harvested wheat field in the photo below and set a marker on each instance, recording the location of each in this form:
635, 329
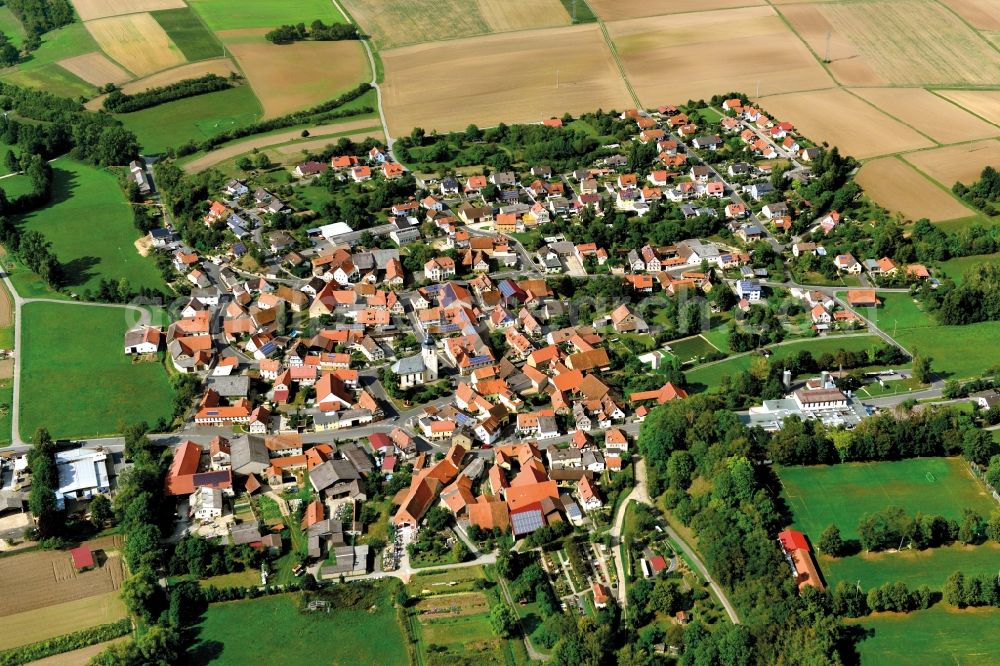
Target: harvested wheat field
900, 188
915, 42
671, 59
95, 9
50, 576
956, 163
926, 112
983, 103
398, 22
137, 42
95, 68
291, 77
60, 618
982, 14
240, 147
843, 120
847, 64
501, 78
617, 10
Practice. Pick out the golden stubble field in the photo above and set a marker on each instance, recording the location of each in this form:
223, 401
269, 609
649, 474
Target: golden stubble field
900, 188
913, 42
290, 77
926, 112
616, 10
95, 9
847, 64
501, 78
398, 22
671, 59
95, 68
843, 120
983, 103
956, 163
982, 14
137, 42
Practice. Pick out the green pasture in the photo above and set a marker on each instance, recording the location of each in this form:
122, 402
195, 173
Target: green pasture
270, 631
929, 567
237, 14
75, 379
842, 494
192, 119
189, 33
939, 636
90, 227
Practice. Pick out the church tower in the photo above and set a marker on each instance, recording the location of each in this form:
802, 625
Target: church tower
429, 353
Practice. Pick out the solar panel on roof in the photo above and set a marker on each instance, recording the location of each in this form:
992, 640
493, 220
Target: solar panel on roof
525, 522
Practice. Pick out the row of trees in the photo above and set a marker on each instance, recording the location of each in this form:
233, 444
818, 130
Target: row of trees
962, 590
119, 102
893, 528
317, 32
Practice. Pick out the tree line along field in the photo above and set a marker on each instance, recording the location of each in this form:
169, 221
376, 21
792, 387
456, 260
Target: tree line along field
929, 567
272, 632
841, 494
90, 227
77, 348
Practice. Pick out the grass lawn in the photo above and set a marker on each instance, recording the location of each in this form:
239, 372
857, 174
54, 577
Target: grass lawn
235, 14
271, 631
11, 27
15, 185
188, 32
947, 346
842, 494
78, 349
938, 636
710, 375
956, 268
691, 348
192, 119
929, 567
450, 581
90, 227
963, 223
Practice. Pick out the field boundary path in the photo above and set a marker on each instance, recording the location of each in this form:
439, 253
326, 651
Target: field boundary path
374, 82
640, 494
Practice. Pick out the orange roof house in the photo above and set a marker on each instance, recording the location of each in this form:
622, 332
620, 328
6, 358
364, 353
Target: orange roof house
182, 468
523, 496
798, 553
664, 394
863, 298
313, 514
487, 514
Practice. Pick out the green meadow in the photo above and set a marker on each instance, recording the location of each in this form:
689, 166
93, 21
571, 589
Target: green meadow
189, 33
192, 119
237, 14
70, 350
939, 636
90, 227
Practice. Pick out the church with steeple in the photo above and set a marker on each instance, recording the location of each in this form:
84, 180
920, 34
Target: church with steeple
418, 369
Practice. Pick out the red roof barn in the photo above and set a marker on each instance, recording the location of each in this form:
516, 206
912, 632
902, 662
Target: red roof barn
83, 558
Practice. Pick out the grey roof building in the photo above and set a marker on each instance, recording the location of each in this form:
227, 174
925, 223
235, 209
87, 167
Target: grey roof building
248, 455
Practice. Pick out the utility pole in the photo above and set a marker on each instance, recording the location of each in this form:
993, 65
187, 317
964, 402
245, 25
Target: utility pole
574, 11
557, 79
826, 57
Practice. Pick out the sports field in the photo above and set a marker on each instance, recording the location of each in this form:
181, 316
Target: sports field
77, 348
194, 118
956, 163
939, 636
188, 32
508, 77
696, 55
236, 14
842, 494
900, 188
291, 77
926, 112
929, 567
691, 348
90, 227
711, 374
844, 121
394, 23
270, 631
